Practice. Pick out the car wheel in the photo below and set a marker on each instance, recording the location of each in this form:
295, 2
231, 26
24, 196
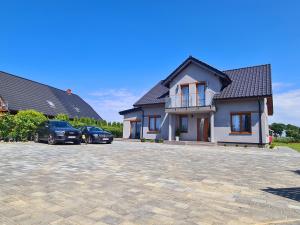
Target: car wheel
109, 142
77, 142
36, 138
90, 140
51, 140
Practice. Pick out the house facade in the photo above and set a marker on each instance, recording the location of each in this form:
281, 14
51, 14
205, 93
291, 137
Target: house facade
201, 103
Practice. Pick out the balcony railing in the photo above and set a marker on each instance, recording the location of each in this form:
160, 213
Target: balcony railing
191, 100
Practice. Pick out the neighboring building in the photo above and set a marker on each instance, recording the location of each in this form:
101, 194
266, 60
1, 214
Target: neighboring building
205, 104
17, 93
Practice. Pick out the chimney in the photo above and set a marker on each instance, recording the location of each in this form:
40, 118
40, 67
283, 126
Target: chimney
69, 91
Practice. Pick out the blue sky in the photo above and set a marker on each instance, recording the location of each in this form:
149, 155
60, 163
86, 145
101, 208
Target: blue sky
111, 52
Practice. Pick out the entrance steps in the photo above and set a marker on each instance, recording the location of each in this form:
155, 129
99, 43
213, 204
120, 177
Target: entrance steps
202, 143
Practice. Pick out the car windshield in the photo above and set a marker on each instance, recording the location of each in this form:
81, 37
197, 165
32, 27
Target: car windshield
60, 124
94, 129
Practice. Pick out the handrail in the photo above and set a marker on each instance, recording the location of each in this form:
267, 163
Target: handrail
190, 100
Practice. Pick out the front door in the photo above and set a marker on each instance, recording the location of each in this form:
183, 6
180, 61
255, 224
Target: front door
203, 129
135, 129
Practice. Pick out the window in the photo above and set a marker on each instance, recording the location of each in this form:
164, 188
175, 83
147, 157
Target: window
154, 123
185, 95
201, 94
241, 122
183, 124
77, 109
51, 104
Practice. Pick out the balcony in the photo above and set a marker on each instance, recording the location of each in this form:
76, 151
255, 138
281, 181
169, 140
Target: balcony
191, 103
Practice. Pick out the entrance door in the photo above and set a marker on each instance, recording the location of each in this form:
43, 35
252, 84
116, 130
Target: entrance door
135, 129
203, 129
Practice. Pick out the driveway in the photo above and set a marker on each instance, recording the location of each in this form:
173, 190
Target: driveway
147, 183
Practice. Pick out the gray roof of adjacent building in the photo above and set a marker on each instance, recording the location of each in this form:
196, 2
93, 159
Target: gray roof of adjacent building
21, 94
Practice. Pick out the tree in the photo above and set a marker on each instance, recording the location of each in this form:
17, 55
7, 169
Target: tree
278, 128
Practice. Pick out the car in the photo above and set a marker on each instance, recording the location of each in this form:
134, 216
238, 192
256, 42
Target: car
93, 134
55, 131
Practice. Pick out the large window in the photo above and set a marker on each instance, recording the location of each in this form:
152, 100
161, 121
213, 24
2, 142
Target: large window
183, 123
154, 123
241, 122
201, 94
185, 95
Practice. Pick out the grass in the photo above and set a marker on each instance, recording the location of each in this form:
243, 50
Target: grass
295, 146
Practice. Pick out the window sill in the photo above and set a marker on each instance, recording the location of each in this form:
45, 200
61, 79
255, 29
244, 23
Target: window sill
153, 132
241, 133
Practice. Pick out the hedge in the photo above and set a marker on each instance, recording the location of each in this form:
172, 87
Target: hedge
23, 125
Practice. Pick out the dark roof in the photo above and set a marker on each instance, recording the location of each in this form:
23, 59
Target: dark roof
130, 110
248, 82
21, 94
155, 96
245, 82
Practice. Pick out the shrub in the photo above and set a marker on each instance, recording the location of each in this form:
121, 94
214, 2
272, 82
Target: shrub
6, 127
285, 140
116, 131
272, 146
25, 124
62, 117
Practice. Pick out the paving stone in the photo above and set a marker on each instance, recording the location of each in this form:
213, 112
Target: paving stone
146, 183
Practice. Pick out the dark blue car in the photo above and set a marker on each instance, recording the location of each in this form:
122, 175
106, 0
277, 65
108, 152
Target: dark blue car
91, 134
54, 131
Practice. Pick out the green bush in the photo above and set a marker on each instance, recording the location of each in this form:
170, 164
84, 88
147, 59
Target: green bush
115, 128
6, 127
286, 140
62, 117
25, 124
272, 146
116, 131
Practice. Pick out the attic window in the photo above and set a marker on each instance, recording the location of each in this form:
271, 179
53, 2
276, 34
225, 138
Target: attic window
77, 109
51, 104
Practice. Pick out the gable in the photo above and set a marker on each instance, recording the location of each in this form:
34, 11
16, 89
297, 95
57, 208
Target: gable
223, 77
193, 74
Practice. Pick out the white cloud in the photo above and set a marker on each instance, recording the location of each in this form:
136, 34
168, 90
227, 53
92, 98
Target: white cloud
281, 86
287, 107
108, 102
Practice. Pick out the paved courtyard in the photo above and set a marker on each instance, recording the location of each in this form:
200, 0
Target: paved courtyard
147, 183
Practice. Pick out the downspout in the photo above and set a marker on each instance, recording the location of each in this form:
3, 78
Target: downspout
142, 133
259, 121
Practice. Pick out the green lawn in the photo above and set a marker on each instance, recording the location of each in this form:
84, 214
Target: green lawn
295, 146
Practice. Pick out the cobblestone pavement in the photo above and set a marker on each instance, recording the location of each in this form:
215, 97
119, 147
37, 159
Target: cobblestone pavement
147, 183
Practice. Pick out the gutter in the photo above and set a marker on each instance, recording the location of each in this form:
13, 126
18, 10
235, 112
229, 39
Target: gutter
259, 121
142, 132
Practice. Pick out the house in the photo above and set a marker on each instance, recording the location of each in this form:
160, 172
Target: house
205, 104
17, 93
